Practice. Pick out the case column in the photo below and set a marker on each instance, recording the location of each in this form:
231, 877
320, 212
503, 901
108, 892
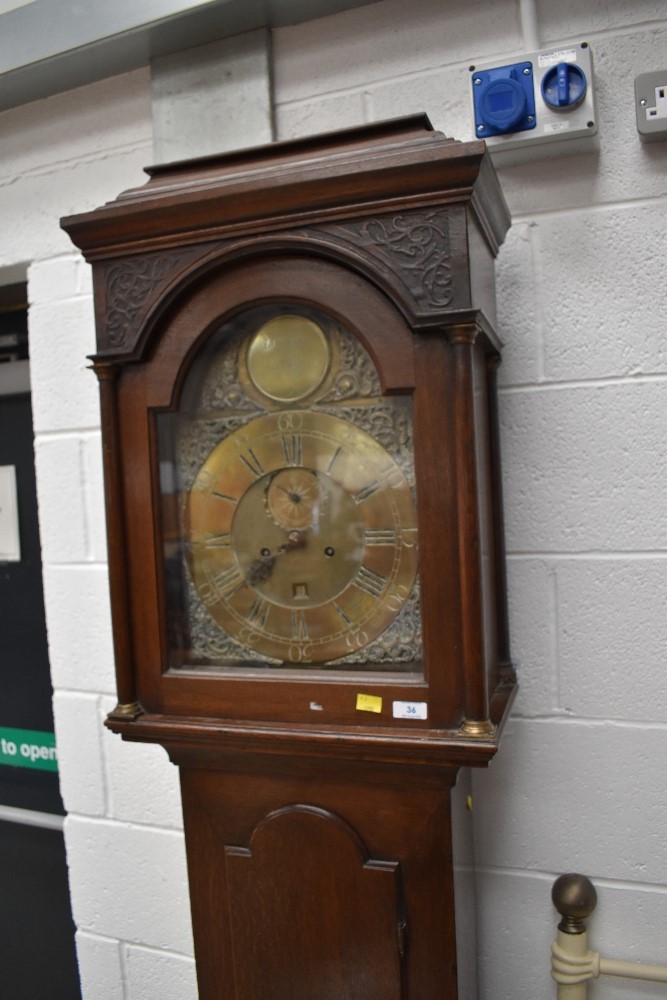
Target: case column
127, 707
476, 722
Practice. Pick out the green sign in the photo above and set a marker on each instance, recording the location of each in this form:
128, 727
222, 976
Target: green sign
28, 748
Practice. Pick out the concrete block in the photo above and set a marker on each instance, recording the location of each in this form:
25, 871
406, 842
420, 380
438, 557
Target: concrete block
612, 636
100, 967
385, 40
65, 393
152, 974
571, 19
518, 323
143, 783
532, 602
464, 887
581, 470
630, 170
33, 204
61, 497
79, 628
629, 924
130, 883
212, 98
80, 765
442, 93
597, 320
68, 154
564, 795
326, 114
61, 278
516, 925
114, 113
93, 489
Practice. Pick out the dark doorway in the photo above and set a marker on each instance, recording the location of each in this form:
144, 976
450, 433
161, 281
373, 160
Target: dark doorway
37, 954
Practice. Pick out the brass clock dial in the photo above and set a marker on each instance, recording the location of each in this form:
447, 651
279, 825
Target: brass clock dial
301, 532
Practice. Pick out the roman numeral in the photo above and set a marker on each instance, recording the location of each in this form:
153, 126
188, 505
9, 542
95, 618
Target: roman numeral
365, 492
221, 541
228, 581
259, 613
379, 536
334, 458
346, 618
292, 448
299, 626
223, 496
369, 581
253, 463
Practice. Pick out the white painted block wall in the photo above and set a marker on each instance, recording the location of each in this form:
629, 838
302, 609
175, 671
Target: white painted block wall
579, 783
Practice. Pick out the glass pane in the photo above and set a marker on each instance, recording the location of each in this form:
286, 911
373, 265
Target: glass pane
288, 508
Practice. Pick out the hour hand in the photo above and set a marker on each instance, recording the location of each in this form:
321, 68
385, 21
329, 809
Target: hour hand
262, 568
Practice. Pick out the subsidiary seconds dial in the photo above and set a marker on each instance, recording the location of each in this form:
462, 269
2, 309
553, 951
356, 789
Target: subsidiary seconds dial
302, 536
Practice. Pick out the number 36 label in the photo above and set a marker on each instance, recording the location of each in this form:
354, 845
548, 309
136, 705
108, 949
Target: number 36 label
410, 710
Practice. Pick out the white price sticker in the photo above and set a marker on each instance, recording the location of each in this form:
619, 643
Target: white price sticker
410, 710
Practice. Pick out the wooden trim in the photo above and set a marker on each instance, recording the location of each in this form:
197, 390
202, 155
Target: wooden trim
115, 520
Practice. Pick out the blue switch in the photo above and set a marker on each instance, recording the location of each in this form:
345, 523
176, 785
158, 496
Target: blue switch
564, 86
503, 99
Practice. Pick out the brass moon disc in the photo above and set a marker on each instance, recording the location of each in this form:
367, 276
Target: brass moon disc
288, 358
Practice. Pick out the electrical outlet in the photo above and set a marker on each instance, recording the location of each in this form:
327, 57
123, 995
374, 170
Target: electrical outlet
536, 105
651, 105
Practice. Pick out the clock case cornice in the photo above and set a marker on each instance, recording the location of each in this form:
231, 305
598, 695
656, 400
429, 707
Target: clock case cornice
357, 171
400, 203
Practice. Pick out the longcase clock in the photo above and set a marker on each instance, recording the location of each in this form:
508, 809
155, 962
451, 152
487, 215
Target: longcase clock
297, 359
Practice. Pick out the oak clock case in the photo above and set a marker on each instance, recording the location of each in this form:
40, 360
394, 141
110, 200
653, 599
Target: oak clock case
297, 535
297, 366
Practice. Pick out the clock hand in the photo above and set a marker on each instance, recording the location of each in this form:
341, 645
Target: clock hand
294, 497
261, 569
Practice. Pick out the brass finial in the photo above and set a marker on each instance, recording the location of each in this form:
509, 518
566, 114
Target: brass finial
575, 898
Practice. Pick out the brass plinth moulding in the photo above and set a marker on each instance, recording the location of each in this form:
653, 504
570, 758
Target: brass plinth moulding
131, 710
477, 729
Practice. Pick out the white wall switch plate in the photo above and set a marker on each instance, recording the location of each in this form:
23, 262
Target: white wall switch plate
651, 105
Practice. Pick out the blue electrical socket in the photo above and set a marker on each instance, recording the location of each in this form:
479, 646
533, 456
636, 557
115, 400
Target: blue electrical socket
503, 99
538, 104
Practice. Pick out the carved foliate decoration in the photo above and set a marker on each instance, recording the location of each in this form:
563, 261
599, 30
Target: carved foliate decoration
414, 247
131, 287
